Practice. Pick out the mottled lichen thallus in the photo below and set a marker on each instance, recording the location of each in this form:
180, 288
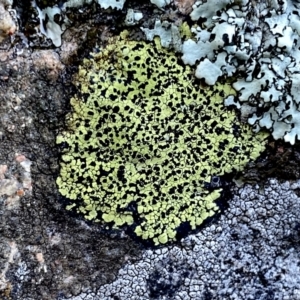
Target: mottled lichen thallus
143, 139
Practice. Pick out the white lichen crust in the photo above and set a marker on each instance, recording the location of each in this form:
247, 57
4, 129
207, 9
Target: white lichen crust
258, 43
252, 252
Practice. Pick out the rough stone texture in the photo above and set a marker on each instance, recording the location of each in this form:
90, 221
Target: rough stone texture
8, 24
45, 253
184, 6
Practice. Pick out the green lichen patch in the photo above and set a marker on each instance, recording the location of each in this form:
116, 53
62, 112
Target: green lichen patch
143, 139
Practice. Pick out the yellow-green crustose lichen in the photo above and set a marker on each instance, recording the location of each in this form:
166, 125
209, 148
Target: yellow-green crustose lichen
144, 138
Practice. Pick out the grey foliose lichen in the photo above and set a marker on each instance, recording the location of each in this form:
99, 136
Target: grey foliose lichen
252, 252
258, 43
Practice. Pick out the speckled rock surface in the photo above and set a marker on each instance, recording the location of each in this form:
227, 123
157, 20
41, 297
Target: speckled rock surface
45, 253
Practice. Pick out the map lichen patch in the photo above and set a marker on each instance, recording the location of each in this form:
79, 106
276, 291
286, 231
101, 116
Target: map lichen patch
143, 140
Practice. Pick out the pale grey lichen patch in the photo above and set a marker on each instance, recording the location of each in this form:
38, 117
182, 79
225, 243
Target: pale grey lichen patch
169, 34
133, 17
208, 71
160, 3
260, 44
49, 25
252, 252
207, 10
76, 3
117, 4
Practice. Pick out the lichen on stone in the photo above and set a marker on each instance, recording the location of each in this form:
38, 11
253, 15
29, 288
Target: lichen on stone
257, 44
144, 139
